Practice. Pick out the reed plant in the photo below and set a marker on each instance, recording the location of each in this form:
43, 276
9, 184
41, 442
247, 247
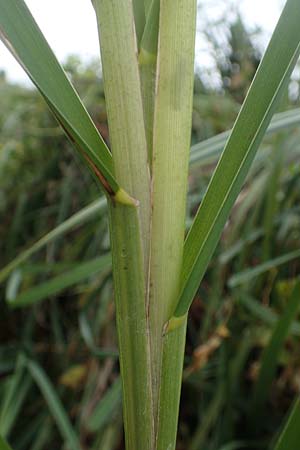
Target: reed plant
147, 53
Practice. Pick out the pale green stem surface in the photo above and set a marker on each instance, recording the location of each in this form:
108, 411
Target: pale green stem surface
124, 104
170, 388
129, 225
132, 327
171, 141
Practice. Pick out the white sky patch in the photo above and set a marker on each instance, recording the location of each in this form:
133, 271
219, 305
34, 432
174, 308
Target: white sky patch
264, 13
70, 27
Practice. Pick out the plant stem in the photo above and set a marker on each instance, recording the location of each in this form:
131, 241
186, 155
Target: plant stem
132, 327
129, 225
171, 141
124, 104
151, 365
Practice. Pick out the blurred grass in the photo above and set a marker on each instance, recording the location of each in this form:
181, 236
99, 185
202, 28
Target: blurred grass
59, 377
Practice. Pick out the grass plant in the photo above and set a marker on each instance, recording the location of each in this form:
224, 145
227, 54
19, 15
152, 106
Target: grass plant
147, 53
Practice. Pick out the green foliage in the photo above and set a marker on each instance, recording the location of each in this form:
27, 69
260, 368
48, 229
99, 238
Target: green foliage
22, 36
289, 438
71, 334
271, 354
3, 444
255, 115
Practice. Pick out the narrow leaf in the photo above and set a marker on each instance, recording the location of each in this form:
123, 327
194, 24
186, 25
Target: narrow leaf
14, 396
201, 153
236, 445
290, 437
139, 18
148, 65
78, 219
150, 35
249, 274
271, 354
61, 282
265, 314
106, 408
147, 4
263, 97
54, 404
24, 39
4, 445
209, 150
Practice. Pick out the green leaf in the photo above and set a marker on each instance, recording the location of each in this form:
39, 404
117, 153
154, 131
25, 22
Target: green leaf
264, 94
208, 151
249, 274
265, 314
54, 404
237, 445
106, 408
271, 354
43, 436
63, 281
87, 335
147, 4
231, 252
139, 18
201, 153
78, 219
290, 436
212, 412
14, 396
150, 36
23, 38
4, 445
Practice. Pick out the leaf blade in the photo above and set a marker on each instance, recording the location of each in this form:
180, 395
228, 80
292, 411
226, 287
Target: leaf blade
207, 151
271, 354
106, 408
3, 444
54, 404
251, 124
74, 221
23, 38
248, 274
290, 435
60, 282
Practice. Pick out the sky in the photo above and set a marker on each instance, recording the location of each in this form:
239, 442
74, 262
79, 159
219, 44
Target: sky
70, 26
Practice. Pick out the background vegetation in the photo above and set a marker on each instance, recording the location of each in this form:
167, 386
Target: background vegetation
59, 377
